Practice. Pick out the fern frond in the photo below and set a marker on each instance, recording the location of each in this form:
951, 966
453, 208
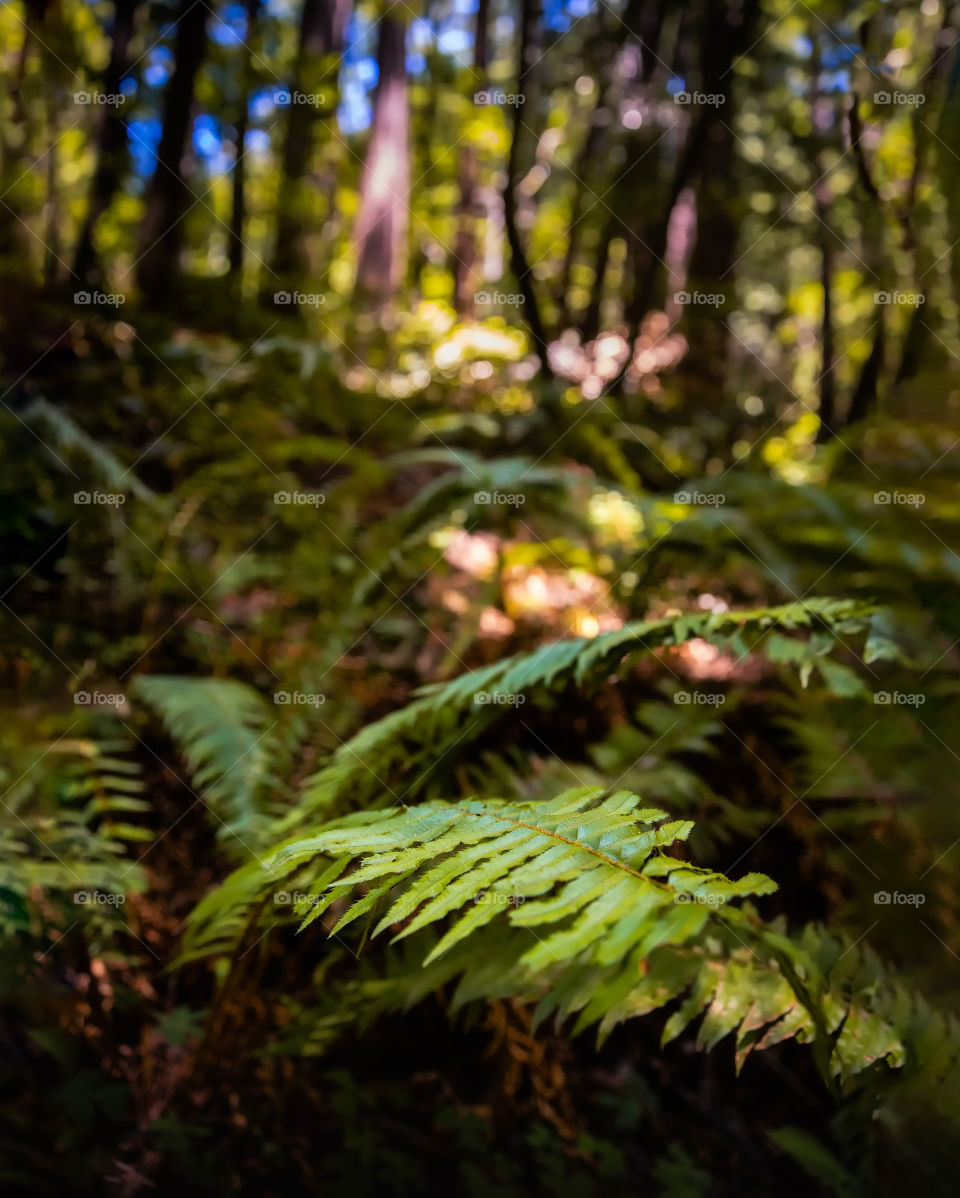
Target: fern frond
67, 435
573, 904
420, 733
65, 822
220, 727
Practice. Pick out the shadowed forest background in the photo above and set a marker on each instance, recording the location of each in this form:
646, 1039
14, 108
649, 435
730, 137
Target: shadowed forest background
478, 603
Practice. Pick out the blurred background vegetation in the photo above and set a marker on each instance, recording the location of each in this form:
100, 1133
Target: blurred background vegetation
349, 348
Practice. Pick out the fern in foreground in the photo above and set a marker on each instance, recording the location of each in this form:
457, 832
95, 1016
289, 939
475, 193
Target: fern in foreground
573, 904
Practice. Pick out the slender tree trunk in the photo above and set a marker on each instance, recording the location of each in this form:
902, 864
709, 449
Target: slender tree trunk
590, 322
864, 399
111, 149
51, 236
381, 231
470, 209
865, 393
702, 375
238, 210
828, 384
823, 196
167, 193
322, 27
647, 246
531, 309
646, 28
238, 197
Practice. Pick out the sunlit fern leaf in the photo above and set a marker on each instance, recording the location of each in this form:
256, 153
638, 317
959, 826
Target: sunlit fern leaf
574, 903
449, 713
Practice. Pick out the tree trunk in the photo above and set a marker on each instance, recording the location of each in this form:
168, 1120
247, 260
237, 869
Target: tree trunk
167, 193
590, 321
381, 231
702, 375
518, 258
828, 397
470, 209
238, 210
111, 149
322, 27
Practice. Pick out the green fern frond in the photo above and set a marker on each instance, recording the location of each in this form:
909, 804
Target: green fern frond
573, 904
68, 436
65, 823
419, 734
221, 729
